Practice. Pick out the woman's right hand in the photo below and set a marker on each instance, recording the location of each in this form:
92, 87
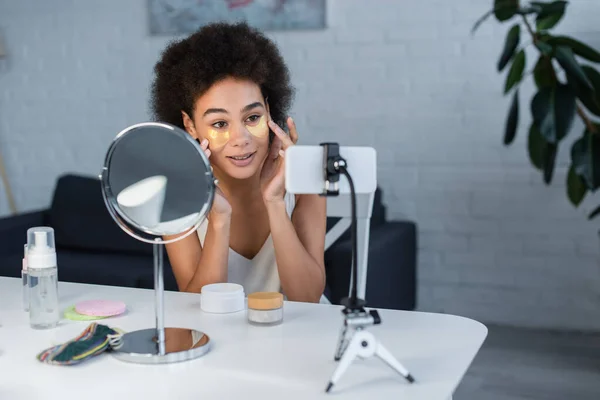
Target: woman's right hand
221, 209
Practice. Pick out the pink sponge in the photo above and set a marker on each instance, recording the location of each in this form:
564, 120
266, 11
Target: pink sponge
100, 308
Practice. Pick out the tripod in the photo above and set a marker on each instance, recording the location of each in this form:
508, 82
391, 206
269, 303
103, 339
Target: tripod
354, 341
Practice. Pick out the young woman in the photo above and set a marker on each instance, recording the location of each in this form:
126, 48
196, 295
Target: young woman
228, 87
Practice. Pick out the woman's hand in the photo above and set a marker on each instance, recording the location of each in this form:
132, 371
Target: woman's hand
220, 207
272, 179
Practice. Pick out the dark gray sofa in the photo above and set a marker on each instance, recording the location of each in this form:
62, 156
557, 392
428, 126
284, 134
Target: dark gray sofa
91, 248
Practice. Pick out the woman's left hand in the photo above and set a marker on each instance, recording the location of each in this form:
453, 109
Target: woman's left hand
272, 179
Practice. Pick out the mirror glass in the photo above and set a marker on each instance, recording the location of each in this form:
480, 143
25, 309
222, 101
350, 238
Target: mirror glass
180, 344
157, 181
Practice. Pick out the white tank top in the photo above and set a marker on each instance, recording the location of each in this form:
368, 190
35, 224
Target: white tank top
260, 273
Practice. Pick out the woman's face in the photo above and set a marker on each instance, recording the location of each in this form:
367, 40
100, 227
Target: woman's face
232, 116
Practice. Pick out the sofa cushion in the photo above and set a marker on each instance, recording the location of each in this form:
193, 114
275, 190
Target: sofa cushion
391, 267
378, 216
81, 221
98, 268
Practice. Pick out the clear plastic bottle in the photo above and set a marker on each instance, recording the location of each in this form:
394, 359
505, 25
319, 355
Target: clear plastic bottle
25, 281
43, 278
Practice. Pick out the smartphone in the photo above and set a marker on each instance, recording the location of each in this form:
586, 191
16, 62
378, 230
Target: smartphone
304, 169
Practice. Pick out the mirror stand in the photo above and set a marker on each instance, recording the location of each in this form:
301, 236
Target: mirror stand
152, 346
150, 193
159, 293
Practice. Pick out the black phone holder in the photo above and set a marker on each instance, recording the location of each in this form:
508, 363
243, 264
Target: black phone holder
333, 164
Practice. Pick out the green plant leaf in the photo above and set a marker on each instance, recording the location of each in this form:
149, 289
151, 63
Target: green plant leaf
505, 9
592, 102
541, 153
536, 146
553, 110
544, 47
512, 121
576, 188
566, 59
549, 161
549, 21
550, 15
589, 97
581, 49
543, 72
585, 156
481, 20
510, 46
594, 213
515, 74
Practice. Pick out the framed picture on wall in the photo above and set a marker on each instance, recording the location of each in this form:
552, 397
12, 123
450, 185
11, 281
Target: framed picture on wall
174, 17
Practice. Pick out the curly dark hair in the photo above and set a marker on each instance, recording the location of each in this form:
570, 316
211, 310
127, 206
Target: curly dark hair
189, 67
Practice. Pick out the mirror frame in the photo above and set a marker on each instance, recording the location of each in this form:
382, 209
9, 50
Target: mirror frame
131, 227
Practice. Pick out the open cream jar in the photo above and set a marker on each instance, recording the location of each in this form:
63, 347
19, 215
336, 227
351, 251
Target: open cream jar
265, 308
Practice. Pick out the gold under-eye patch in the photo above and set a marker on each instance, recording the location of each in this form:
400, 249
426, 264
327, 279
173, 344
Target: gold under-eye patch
217, 138
260, 129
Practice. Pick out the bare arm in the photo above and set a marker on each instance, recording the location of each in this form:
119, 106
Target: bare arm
299, 247
194, 265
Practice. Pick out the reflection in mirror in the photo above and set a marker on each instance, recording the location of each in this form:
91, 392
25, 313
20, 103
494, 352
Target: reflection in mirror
180, 344
143, 201
159, 180
180, 339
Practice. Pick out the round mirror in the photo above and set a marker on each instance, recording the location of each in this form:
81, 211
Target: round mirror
157, 182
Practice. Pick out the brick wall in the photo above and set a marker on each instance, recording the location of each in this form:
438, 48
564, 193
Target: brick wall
403, 76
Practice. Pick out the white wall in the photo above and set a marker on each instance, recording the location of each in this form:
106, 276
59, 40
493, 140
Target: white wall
404, 76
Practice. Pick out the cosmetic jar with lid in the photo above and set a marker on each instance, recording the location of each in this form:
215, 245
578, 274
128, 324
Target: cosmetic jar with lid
265, 308
221, 298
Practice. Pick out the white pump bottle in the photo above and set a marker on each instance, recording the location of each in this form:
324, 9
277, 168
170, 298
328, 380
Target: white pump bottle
43, 278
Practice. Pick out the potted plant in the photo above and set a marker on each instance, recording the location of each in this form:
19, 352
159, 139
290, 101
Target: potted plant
567, 85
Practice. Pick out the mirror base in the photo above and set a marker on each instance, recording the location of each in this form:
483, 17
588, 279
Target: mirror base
181, 344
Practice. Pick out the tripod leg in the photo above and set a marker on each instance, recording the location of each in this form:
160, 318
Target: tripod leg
342, 344
348, 356
390, 360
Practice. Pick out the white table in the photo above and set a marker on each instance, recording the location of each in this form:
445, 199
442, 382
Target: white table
292, 361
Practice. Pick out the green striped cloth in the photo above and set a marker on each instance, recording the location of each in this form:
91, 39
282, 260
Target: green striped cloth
95, 339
